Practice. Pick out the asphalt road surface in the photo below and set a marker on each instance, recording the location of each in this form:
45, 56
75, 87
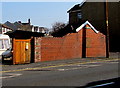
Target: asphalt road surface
65, 75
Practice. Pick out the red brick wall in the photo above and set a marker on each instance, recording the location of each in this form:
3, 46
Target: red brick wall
66, 47
95, 44
70, 46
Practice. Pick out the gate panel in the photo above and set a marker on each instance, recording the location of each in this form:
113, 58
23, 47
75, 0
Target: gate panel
21, 51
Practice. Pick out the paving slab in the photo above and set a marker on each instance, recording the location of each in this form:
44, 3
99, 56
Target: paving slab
53, 63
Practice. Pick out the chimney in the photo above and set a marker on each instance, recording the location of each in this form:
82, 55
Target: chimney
19, 21
29, 21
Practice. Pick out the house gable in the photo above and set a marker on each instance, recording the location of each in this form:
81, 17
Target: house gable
84, 24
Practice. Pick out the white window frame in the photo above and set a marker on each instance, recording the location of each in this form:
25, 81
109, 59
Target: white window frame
3, 40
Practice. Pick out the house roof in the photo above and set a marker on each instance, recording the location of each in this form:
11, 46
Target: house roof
23, 34
76, 7
5, 26
16, 25
11, 25
87, 22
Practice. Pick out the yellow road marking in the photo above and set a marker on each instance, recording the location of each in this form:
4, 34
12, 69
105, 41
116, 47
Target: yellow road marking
57, 65
3, 65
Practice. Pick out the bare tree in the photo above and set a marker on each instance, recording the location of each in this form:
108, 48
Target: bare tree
57, 26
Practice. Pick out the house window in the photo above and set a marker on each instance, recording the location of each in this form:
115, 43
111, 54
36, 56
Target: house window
4, 44
1, 44
79, 15
0, 31
3, 29
36, 29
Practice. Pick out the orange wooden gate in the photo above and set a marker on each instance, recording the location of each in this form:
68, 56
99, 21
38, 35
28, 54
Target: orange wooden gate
21, 51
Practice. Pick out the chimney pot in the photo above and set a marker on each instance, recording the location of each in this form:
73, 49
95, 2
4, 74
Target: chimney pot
29, 21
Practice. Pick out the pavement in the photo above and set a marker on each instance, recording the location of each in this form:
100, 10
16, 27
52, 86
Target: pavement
49, 64
74, 72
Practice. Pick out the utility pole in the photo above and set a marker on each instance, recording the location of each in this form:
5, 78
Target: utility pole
107, 29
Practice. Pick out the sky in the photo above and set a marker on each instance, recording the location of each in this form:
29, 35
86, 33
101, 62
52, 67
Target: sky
43, 14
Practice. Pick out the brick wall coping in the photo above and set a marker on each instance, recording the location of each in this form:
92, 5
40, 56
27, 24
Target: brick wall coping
87, 22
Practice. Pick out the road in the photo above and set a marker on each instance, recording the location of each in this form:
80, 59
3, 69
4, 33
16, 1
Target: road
66, 75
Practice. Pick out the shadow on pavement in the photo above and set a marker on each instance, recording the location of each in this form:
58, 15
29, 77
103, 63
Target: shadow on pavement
110, 83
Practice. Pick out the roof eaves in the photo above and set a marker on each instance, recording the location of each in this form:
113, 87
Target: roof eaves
73, 8
3, 25
82, 3
75, 11
77, 5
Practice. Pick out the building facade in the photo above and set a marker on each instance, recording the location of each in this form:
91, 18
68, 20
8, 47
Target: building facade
95, 13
